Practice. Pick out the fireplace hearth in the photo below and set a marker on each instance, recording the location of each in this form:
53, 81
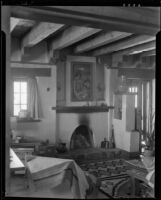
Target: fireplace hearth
82, 138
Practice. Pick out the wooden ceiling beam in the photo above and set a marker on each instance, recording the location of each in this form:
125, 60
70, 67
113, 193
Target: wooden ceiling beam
29, 65
137, 40
13, 23
118, 56
138, 48
39, 33
125, 19
72, 35
133, 14
145, 74
102, 39
148, 53
135, 61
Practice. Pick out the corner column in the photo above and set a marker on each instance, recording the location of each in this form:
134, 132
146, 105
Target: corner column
5, 29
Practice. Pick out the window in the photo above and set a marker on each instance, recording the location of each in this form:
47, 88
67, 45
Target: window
20, 96
26, 98
134, 90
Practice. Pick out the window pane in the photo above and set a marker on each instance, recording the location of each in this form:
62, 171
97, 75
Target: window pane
16, 98
16, 110
136, 89
16, 86
132, 89
23, 107
23, 87
23, 99
20, 96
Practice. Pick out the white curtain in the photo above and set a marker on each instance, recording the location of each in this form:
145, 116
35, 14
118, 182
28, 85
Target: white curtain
33, 99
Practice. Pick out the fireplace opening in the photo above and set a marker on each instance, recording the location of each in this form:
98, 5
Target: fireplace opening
82, 137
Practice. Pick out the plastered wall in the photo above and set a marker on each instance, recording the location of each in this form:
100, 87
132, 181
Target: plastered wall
125, 138
67, 122
46, 128
57, 127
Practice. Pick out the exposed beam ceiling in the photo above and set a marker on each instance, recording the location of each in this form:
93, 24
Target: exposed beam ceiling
39, 33
137, 40
13, 23
135, 20
72, 35
102, 39
95, 31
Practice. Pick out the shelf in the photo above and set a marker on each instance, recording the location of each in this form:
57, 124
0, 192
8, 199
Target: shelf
28, 120
81, 109
24, 144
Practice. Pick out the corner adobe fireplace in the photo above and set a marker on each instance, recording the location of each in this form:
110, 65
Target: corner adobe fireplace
82, 137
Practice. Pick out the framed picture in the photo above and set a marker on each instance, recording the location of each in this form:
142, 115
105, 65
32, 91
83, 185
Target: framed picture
81, 81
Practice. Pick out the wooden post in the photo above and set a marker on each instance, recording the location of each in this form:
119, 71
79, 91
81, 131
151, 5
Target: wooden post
135, 119
5, 33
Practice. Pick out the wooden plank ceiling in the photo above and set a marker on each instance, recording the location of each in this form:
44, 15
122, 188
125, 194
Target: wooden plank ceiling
94, 31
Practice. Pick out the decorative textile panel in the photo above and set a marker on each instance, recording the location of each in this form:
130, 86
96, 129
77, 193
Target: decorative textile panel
33, 99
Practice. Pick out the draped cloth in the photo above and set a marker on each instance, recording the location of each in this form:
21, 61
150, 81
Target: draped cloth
46, 172
15, 162
33, 99
149, 163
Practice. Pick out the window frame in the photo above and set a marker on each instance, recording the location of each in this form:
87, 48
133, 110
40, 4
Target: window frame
18, 79
133, 92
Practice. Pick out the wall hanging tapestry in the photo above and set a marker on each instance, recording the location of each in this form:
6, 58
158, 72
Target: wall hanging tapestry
81, 81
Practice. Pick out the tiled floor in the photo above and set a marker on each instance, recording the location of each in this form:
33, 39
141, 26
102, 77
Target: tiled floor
18, 188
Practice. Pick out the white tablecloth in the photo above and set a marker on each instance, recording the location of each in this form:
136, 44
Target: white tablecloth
15, 162
49, 172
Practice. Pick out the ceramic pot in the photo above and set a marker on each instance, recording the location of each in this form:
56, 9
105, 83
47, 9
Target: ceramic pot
61, 148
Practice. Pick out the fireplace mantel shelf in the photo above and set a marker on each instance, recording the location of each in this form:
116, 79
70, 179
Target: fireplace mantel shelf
82, 109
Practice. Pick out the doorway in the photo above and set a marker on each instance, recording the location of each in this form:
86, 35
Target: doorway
144, 91
148, 110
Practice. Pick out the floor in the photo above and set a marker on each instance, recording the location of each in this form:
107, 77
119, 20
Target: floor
18, 188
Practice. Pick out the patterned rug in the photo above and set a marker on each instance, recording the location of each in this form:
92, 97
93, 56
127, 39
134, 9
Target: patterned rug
112, 177
116, 187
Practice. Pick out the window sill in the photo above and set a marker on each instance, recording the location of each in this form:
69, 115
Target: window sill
27, 120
